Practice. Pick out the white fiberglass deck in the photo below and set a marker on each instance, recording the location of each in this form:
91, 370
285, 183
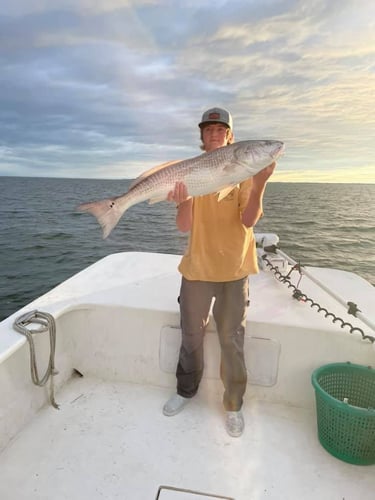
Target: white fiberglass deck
111, 441
118, 324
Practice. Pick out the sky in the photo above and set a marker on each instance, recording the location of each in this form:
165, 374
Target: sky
110, 88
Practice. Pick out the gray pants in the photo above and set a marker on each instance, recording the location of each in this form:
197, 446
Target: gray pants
229, 311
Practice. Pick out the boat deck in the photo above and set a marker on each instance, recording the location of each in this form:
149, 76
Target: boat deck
111, 441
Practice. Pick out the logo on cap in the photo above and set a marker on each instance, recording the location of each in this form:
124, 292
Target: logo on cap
214, 116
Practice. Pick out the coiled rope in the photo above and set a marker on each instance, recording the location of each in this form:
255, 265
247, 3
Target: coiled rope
47, 323
299, 295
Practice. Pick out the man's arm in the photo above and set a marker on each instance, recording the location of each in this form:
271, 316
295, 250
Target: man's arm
254, 207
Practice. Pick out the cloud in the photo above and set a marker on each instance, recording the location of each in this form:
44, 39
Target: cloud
104, 88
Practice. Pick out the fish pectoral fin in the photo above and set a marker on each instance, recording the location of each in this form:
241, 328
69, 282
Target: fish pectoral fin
151, 201
224, 192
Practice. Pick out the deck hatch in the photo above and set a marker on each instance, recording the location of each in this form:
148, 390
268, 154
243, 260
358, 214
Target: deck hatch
171, 493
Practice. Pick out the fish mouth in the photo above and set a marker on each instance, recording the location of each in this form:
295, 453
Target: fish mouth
278, 150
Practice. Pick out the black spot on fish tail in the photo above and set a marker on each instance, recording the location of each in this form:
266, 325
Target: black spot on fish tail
106, 213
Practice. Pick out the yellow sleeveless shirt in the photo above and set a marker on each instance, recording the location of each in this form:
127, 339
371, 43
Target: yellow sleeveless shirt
220, 247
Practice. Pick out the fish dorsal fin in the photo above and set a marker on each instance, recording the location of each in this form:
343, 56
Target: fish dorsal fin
152, 171
224, 192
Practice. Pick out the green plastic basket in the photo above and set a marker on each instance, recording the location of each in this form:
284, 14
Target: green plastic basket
345, 407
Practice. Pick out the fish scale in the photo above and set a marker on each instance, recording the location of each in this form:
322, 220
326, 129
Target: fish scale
204, 174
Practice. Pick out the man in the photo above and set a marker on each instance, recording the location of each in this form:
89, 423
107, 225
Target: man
220, 257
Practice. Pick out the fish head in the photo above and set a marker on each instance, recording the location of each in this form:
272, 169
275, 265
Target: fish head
258, 154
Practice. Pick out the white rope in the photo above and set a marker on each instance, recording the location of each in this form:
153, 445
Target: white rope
47, 323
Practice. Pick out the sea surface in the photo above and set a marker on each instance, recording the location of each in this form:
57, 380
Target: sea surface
44, 241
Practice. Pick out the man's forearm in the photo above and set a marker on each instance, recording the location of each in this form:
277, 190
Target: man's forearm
184, 217
254, 208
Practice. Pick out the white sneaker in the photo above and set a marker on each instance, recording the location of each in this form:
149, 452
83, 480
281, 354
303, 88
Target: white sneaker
234, 423
174, 405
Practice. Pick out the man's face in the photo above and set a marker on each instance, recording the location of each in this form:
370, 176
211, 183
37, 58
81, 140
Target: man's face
214, 135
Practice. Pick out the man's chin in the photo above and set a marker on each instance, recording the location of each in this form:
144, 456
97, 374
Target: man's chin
214, 145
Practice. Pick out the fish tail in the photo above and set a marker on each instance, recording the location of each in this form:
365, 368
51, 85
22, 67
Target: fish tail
107, 213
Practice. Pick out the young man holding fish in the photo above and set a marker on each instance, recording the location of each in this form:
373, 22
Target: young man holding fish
220, 257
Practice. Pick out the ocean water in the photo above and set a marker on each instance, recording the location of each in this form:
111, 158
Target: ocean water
43, 241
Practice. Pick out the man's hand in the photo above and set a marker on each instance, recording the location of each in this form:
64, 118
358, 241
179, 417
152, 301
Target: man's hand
184, 204
260, 179
179, 193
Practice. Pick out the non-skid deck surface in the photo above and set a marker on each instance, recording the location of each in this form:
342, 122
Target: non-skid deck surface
111, 441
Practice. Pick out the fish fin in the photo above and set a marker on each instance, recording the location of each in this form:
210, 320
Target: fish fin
151, 171
106, 212
224, 192
151, 201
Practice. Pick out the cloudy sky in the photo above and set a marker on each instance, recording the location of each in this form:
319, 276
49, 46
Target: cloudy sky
108, 88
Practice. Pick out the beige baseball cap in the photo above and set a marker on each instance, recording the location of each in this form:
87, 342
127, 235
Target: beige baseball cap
217, 115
